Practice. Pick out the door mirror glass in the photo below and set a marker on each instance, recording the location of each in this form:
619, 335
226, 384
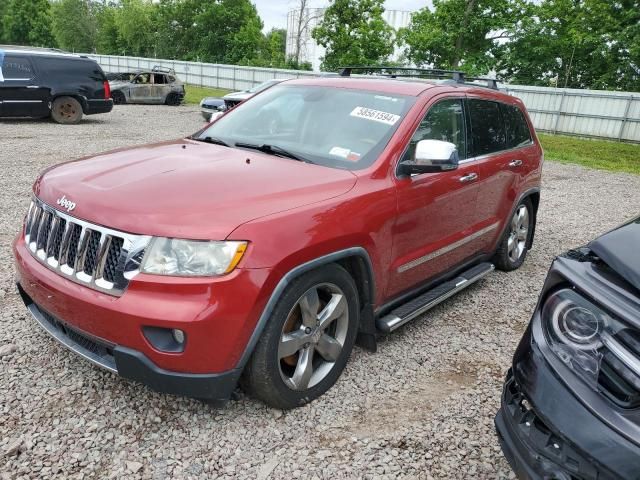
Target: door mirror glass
431, 156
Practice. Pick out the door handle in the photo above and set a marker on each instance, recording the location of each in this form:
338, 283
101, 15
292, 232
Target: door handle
515, 163
33, 86
469, 178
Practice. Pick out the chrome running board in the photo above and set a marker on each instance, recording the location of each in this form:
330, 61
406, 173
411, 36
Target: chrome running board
422, 303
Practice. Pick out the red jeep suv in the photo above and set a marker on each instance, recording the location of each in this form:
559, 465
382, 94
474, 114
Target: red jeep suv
317, 214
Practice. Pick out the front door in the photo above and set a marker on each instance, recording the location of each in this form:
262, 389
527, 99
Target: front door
434, 230
141, 88
20, 96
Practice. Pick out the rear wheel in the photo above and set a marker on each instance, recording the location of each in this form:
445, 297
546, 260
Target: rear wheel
118, 98
307, 341
514, 244
173, 99
66, 110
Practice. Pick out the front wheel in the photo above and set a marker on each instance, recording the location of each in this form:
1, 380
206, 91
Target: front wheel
118, 98
307, 341
514, 244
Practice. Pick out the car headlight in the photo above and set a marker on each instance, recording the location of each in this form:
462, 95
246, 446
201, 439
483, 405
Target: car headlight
576, 330
191, 258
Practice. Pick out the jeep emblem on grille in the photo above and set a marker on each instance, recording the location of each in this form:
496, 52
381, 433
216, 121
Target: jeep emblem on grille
66, 203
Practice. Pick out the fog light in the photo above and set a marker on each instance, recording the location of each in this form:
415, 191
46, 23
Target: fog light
178, 335
171, 340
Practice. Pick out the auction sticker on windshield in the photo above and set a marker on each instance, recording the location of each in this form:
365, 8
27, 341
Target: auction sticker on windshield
375, 115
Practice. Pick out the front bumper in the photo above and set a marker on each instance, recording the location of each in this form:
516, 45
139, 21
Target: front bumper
547, 433
132, 364
218, 317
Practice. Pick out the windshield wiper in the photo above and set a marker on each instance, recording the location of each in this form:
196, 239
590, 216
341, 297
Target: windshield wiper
273, 150
212, 140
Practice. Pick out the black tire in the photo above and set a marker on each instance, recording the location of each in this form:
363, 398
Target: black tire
173, 99
118, 98
66, 110
508, 257
264, 376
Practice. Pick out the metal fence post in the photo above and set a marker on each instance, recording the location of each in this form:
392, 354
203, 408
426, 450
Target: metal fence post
557, 122
625, 117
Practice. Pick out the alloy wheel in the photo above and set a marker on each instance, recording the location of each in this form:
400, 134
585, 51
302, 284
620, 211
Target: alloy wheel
517, 242
313, 336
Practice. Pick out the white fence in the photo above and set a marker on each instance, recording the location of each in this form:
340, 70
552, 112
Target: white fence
586, 113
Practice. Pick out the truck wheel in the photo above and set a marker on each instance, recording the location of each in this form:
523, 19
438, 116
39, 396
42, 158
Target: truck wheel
66, 110
513, 247
307, 341
118, 98
173, 99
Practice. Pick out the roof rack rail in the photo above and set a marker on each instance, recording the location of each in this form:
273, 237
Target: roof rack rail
160, 68
413, 72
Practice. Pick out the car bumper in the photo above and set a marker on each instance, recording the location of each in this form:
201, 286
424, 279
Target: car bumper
110, 331
206, 114
546, 432
99, 106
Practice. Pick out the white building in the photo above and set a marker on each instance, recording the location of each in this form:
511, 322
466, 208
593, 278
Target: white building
310, 51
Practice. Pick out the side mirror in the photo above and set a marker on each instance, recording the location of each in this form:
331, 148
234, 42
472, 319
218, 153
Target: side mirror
431, 156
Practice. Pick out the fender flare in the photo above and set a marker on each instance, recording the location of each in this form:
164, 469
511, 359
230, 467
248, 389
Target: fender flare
525, 194
292, 275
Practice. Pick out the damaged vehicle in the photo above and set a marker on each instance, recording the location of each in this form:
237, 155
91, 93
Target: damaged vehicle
156, 86
571, 401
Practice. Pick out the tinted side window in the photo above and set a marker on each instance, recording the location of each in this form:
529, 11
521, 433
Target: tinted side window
17, 68
444, 121
487, 127
517, 128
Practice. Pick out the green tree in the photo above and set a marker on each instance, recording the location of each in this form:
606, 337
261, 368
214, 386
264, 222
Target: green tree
107, 41
74, 24
576, 43
353, 32
275, 45
136, 27
461, 34
27, 22
230, 31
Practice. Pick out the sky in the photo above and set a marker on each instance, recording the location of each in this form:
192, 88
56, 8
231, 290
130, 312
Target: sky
274, 12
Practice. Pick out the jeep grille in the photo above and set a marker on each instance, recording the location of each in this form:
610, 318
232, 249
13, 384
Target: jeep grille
88, 254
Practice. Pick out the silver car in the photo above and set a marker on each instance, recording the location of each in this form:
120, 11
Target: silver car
234, 98
158, 86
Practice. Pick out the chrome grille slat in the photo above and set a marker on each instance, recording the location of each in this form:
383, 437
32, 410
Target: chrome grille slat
98, 257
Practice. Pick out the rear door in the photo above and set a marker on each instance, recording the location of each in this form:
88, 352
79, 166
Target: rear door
436, 211
499, 144
20, 93
160, 88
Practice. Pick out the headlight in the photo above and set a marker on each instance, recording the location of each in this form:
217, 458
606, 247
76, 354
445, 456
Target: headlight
576, 331
192, 258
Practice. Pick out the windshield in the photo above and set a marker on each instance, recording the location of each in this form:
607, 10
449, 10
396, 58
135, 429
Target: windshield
335, 127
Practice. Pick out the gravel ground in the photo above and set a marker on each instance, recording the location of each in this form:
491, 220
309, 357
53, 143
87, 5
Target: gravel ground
422, 407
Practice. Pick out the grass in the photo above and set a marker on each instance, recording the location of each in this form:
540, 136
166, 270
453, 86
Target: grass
599, 154
195, 94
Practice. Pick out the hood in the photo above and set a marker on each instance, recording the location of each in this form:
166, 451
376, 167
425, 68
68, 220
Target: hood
620, 249
187, 189
117, 83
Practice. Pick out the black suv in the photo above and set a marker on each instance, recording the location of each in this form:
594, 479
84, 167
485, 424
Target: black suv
39, 83
571, 401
